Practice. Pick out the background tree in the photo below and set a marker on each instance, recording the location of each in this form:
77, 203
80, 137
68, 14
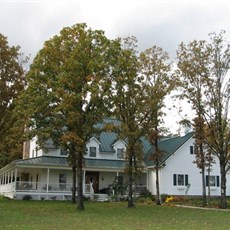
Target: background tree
126, 103
68, 83
12, 82
134, 97
218, 115
193, 67
204, 66
158, 83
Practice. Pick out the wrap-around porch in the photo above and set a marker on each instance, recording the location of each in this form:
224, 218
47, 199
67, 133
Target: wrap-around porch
56, 182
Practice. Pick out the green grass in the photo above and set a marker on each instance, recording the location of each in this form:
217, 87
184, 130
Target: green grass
63, 215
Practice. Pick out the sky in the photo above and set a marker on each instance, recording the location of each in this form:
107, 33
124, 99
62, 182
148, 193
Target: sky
164, 23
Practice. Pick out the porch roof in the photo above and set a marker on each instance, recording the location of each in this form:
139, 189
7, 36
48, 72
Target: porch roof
63, 162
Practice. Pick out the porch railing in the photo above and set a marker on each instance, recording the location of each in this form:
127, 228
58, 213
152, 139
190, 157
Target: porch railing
43, 187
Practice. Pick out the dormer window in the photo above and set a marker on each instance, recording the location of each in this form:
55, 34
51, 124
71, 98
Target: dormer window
120, 153
92, 151
63, 152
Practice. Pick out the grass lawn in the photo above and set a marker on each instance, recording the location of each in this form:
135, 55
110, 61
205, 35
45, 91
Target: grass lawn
98, 215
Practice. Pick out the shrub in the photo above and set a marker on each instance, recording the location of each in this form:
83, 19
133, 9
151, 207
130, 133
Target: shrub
4, 197
164, 197
145, 193
27, 197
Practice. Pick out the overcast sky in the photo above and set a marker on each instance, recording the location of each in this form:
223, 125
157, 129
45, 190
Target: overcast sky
162, 23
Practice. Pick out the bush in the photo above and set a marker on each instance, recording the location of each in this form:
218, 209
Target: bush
27, 197
4, 198
164, 197
144, 200
145, 193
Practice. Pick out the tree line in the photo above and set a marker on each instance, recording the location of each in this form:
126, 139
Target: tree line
80, 77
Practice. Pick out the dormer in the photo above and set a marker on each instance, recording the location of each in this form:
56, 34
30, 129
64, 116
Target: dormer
120, 148
93, 147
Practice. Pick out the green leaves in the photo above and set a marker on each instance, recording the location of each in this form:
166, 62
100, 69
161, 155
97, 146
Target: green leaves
70, 77
12, 83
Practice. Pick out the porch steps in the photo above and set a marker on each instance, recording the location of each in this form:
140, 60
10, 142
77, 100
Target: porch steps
102, 197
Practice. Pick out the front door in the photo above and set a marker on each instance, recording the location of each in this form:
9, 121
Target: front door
92, 178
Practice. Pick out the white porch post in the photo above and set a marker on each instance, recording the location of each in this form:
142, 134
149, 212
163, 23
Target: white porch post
83, 181
15, 178
47, 180
147, 179
117, 173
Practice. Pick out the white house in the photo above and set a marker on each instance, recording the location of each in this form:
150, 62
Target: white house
47, 175
179, 174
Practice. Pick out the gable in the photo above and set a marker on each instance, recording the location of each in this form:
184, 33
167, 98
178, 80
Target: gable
168, 147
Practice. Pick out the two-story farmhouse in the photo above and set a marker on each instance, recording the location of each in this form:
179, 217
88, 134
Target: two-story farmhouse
46, 174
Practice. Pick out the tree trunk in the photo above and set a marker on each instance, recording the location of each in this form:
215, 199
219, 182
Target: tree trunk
223, 201
130, 197
74, 184
80, 204
158, 199
203, 187
203, 175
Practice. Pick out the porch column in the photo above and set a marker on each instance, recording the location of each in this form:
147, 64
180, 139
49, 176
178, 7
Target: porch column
147, 179
15, 178
83, 181
117, 173
47, 180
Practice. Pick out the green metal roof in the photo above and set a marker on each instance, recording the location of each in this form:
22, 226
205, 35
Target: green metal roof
168, 147
107, 139
45, 161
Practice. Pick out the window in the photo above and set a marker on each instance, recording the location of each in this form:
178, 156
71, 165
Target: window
63, 152
62, 181
213, 181
120, 153
92, 151
180, 180
191, 149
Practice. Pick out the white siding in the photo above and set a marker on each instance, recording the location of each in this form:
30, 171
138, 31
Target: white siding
181, 162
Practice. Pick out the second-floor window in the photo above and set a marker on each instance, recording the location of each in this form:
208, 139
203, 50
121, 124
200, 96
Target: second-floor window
191, 149
92, 151
63, 152
120, 153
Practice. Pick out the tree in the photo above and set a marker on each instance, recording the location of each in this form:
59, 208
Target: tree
218, 119
68, 83
158, 83
12, 82
126, 103
204, 66
193, 70
134, 98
